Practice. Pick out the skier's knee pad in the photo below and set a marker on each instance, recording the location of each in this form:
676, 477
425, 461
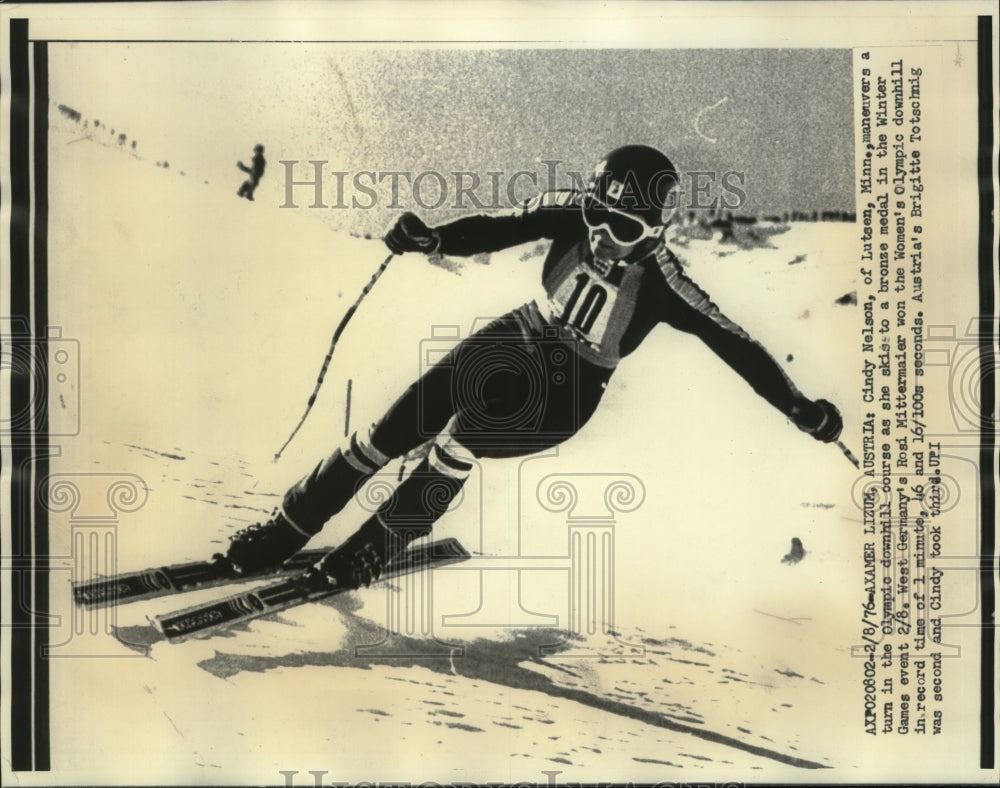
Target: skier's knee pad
362, 454
449, 457
425, 495
432, 487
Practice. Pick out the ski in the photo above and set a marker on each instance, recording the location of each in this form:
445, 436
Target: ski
177, 578
201, 620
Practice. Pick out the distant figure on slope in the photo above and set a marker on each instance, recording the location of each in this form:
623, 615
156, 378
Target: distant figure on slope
532, 378
796, 554
255, 171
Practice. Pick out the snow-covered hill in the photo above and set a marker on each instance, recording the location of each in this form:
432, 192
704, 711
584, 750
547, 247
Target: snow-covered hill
202, 321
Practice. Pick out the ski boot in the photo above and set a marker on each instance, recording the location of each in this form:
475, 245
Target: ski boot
264, 546
362, 558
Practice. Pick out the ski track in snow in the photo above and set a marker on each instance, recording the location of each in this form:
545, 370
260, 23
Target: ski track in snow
639, 683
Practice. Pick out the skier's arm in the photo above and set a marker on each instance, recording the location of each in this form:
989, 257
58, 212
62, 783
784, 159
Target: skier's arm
744, 355
492, 232
540, 218
692, 311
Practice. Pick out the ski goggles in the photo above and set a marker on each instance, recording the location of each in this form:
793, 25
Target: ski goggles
623, 228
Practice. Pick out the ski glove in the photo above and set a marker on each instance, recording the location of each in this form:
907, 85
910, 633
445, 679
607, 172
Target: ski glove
819, 418
410, 234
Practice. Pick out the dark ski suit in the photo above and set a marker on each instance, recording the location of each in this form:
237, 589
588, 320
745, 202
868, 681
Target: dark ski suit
533, 377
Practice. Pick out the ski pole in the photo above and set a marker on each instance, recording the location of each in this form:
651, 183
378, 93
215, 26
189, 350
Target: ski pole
333, 344
849, 454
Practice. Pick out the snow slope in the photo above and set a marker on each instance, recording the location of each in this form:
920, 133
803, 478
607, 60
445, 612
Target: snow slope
202, 321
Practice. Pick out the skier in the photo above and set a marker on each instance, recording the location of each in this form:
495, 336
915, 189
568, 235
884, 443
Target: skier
533, 377
255, 171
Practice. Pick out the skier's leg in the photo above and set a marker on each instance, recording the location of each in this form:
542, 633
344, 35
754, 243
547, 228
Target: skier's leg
251, 185
408, 514
534, 409
323, 492
327, 489
414, 507
420, 413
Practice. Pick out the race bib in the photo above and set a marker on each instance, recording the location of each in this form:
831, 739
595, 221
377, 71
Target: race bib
583, 302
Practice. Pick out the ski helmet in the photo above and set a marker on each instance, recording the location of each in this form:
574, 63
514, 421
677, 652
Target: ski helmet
638, 180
